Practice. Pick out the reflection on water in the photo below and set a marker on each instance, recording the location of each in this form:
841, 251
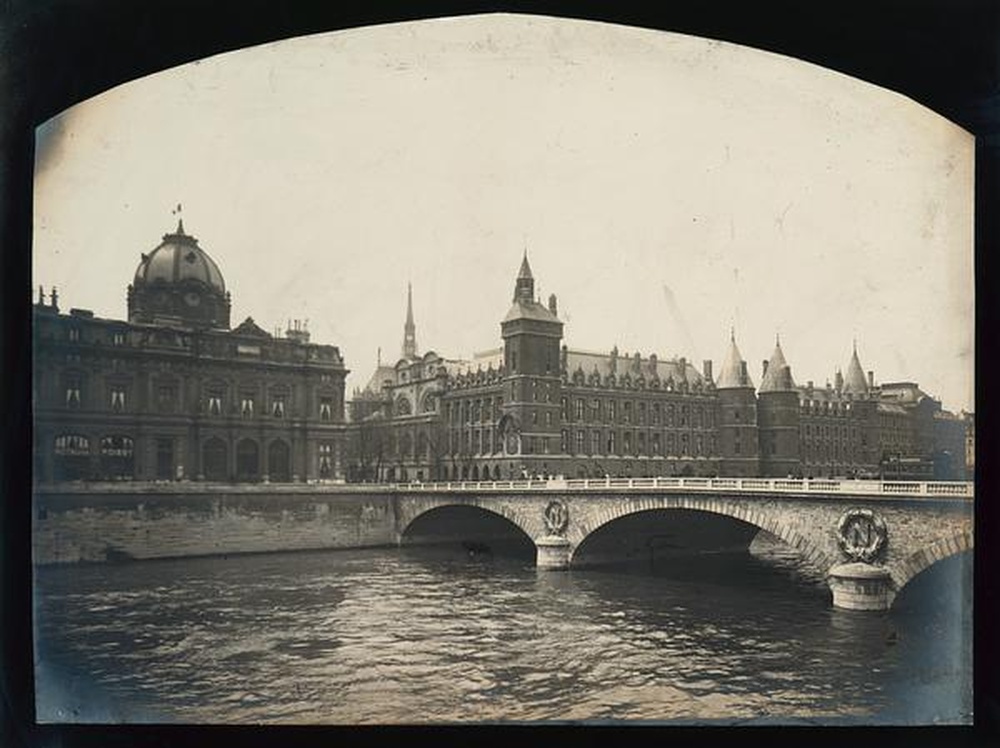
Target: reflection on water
418, 635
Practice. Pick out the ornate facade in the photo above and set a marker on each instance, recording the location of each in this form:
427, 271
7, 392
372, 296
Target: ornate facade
536, 407
174, 394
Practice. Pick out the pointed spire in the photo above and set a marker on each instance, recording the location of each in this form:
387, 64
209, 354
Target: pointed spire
525, 271
855, 382
409, 329
734, 370
778, 377
524, 286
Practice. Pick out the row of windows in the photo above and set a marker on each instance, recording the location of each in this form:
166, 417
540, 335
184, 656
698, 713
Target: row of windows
118, 401
116, 337
639, 444
641, 413
116, 459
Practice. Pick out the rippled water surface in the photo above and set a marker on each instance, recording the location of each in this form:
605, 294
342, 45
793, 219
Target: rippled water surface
416, 635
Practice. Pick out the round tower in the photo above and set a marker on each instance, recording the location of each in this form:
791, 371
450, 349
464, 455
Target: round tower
737, 417
778, 418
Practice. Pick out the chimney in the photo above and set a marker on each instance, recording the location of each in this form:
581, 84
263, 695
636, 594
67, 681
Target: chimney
871, 380
55, 299
764, 370
706, 367
552, 304
838, 381
743, 372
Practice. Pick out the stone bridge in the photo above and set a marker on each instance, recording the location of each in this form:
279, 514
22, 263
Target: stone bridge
869, 537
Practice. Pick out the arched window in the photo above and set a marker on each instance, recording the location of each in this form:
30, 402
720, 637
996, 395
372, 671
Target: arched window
403, 407
247, 460
72, 457
117, 457
279, 468
214, 460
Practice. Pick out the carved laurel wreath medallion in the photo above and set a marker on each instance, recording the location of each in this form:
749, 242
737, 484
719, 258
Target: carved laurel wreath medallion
862, 535
556, 517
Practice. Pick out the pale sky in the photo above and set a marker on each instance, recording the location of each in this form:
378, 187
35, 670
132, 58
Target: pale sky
666, 188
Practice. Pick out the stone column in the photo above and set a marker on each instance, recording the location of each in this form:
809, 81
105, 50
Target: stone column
861, 586
552, 553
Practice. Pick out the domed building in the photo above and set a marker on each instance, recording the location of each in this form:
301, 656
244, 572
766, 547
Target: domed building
178, 283
174, 394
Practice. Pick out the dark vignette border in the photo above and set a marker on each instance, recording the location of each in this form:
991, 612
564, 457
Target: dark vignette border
55, 53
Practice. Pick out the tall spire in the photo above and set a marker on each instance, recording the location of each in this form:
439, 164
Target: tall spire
409, 329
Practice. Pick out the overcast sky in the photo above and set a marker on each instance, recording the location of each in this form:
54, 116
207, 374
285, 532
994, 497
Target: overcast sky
666, 188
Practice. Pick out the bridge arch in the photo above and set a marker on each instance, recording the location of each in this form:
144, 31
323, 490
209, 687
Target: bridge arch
745, 512
518, 516
923, 559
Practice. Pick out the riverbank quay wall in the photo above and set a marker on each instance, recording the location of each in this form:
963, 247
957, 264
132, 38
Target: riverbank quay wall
122, 522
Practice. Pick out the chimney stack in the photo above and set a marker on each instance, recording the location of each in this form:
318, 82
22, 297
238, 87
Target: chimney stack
871, 380
706, 367
552, 304
764, 370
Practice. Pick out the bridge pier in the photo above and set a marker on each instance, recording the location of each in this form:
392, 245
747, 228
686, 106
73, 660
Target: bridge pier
553, 553
860, 586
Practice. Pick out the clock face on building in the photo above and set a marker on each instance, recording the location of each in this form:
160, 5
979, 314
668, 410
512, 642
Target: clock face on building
192, 299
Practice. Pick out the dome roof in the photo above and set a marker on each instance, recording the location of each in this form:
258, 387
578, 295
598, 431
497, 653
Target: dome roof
179, 259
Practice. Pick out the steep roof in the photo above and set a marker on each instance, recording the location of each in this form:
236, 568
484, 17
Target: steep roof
855, 381
733, 373
778, 377
588, 362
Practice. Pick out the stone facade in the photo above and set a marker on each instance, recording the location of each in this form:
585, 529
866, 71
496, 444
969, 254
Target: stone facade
174, 394
535, 407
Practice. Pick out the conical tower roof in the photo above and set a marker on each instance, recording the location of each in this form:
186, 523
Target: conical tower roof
855, 381
733, 373
778, 377
525, 271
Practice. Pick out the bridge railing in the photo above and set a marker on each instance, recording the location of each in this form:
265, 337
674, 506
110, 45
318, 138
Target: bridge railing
710, 485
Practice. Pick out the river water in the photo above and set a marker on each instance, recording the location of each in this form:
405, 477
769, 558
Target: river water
420, 635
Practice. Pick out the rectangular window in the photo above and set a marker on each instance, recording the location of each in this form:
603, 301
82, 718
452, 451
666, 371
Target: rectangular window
595, 443
325, 409
579, 442
278, 406
579, 409
73, 396
215, 405
118, 338
246, 406
165, 396
117, 399
74, 335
